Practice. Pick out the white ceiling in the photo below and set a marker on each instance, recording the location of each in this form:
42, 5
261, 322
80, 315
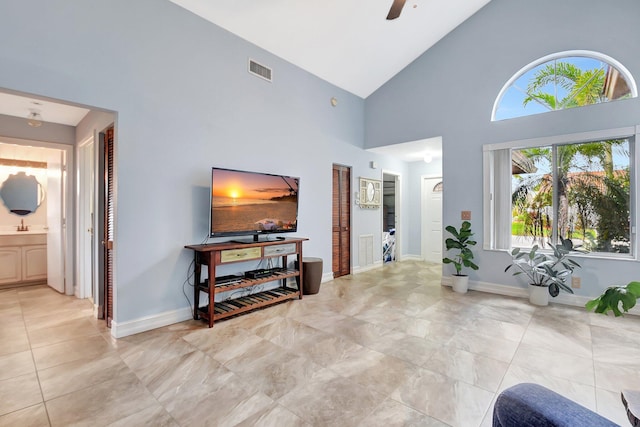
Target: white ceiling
52, 112
348, 43
413, 151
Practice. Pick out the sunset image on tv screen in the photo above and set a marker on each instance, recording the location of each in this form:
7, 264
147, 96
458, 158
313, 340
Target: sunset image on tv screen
252, 202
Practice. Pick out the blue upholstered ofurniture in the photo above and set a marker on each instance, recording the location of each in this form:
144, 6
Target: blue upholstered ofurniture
531, 405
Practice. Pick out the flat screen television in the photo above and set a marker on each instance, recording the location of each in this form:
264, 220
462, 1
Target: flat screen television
247, 203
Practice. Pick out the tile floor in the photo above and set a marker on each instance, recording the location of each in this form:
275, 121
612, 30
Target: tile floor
389, 347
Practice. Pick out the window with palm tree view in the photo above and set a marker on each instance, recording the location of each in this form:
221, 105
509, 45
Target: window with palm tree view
574, 187
577, 191
564, 81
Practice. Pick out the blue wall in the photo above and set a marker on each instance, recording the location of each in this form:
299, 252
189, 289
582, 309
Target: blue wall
184, 102
451, 89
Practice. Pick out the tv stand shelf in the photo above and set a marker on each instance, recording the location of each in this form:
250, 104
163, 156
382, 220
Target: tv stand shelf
243, 304
214, 254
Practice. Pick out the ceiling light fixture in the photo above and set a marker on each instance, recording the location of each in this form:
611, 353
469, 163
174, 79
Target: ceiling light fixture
34, 119
428, 158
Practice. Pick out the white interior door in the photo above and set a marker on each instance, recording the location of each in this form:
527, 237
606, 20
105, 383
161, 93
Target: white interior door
432, 219
55, 220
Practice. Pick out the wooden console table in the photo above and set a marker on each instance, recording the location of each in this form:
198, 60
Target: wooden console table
214, 254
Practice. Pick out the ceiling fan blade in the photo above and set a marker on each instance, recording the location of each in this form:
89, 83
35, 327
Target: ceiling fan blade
396, 8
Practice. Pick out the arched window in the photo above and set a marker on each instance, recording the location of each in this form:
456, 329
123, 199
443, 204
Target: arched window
563, 80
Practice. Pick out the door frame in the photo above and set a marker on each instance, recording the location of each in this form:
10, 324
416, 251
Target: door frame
398, 209
85, 192
69, 224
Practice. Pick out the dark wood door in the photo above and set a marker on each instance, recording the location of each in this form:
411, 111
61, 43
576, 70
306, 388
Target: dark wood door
108, 231
341, 221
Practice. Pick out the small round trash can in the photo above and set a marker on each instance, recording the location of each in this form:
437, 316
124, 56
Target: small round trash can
312, 271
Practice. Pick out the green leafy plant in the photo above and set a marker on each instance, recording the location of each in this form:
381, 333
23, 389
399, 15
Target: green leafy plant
614, 297
461, 241
548, 270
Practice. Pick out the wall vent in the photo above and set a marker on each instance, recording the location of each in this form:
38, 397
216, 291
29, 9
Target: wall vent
260, 70
365, 256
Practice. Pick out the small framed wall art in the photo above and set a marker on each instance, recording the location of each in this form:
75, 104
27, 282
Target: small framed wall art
370, 193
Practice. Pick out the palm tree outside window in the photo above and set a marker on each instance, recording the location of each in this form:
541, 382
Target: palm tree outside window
564, 80
578, 186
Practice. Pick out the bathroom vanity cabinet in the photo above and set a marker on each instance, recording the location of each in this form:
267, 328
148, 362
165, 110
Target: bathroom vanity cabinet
23, 259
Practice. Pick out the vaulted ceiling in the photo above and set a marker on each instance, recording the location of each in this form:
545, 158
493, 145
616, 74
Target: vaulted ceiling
348, 43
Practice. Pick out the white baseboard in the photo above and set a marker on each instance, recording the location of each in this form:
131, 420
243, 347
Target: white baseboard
326, 277
123, 329
411, 258
358, 269
512, 291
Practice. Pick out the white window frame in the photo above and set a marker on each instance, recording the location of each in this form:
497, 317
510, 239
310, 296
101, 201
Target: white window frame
495, 207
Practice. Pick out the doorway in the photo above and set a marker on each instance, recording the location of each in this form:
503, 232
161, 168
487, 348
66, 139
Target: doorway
76, 191
341, 229
431, 219
390, 216
45, 257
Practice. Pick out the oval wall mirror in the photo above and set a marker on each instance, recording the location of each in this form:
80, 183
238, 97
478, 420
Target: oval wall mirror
21, 193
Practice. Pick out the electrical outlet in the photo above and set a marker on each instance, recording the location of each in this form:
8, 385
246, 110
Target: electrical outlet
575, 282
465, 215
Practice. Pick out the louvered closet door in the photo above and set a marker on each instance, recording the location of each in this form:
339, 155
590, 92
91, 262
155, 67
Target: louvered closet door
108, 225
341, 231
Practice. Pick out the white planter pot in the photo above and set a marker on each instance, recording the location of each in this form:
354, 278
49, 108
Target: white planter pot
460, 284
538, 295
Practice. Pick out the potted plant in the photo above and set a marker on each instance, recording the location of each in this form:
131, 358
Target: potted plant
547, 273
613, 299
460, 242
613, 296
